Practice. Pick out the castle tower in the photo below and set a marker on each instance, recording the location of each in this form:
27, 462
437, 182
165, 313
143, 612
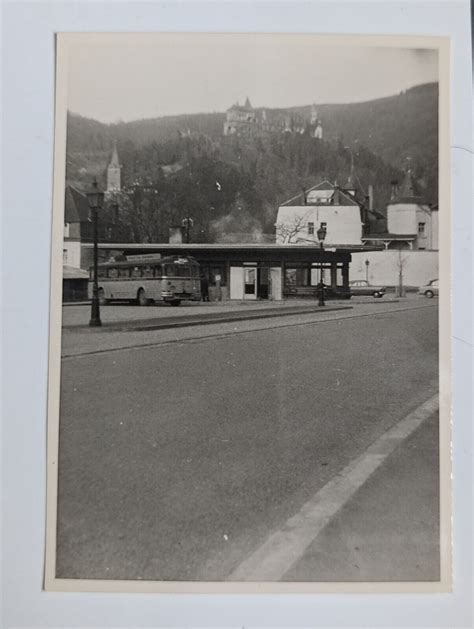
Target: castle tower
318, 132
113, 172
315, 123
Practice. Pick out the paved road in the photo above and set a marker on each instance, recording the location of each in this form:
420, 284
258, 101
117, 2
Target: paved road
177, 460
78, 340
389, 530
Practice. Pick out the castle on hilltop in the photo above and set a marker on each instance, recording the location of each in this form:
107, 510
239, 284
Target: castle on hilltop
244, 120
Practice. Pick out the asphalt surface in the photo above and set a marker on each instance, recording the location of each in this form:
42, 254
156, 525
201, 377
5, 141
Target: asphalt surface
355, 547
176, 461
80, 340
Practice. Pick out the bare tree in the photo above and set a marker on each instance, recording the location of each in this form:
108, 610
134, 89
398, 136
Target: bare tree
401, 265
287, 233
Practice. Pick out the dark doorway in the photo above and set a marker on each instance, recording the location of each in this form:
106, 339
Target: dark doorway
263, 282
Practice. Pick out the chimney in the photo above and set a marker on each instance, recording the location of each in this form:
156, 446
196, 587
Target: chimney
176, 235
304, 196
371, 197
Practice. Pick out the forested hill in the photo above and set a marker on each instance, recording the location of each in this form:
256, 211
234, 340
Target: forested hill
231, 184
394, 127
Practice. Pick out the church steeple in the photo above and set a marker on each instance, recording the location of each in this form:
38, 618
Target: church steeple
115, 160
113, 171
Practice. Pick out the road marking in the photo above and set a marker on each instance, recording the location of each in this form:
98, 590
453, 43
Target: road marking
283, 548
219, 335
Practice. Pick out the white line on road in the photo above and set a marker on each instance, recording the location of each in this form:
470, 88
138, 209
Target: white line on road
283, 548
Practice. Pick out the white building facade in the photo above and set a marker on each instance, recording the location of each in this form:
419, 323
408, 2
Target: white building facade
416, 220
325, 204
412, 223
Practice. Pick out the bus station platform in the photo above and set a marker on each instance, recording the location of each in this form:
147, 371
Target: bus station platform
162, 318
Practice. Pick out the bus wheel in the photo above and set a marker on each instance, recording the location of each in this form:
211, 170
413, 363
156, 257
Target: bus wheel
141, 298
175, 302
102, 299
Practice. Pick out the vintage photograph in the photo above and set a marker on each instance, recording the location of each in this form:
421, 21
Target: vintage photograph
245, 322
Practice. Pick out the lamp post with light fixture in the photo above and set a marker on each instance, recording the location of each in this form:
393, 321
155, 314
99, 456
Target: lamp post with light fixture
96, 199
321, 233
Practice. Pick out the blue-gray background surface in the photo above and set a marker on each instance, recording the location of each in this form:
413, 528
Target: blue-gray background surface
27, 147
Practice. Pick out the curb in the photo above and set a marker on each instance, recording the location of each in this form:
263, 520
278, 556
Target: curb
184, 322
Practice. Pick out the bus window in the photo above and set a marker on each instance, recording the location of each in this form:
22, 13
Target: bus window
113, 273
100, 272
156, 270
136, 271
182, 271
123, 272
170, 269
147, 271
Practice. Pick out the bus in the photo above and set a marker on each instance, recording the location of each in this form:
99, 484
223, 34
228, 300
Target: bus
142, 279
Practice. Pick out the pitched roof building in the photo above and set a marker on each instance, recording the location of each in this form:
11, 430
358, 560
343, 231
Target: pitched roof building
78, 226
344, 212
412, 222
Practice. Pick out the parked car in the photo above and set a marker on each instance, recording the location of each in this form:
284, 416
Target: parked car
429, 290
362, 287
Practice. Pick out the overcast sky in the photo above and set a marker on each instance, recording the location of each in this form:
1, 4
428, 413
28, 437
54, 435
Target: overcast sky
123, 77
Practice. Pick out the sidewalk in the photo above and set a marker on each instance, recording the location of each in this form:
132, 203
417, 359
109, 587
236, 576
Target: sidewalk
389, 530
75, 314
206, 317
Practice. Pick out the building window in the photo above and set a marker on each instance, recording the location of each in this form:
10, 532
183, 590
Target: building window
421, 229
324, 225
310, 229
64, 256
66, 230
297, 276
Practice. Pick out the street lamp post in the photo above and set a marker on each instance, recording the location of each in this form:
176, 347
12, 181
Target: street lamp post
367, 262
96, 199
321, 233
